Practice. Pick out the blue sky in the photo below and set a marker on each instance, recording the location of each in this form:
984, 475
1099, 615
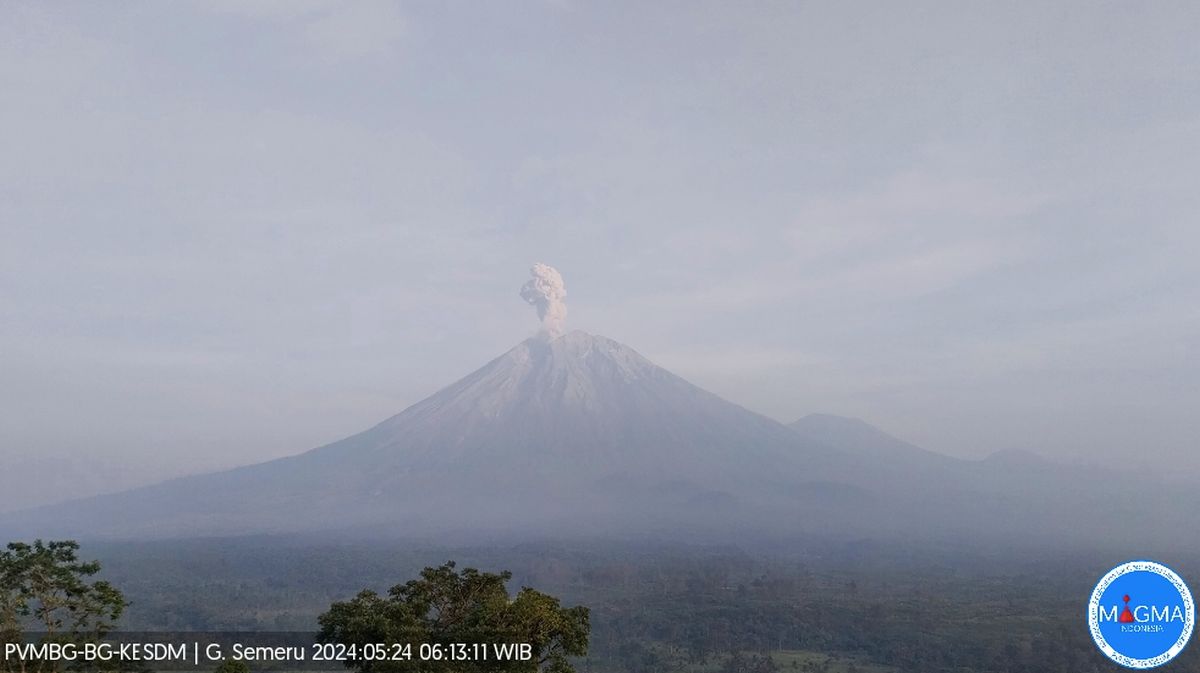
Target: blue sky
231, 231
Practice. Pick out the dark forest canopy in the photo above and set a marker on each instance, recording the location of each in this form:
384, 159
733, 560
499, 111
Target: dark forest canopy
815, 606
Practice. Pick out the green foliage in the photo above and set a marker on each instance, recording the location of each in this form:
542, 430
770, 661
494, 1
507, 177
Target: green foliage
446, 607
655, 608
44, 587
755, 663
232, 666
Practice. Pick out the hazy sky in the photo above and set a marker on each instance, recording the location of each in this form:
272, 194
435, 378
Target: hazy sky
231, 231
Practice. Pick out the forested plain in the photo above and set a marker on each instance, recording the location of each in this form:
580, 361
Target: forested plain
812, 605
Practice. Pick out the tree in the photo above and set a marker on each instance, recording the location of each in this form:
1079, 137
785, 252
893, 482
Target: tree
232, 666
739, 663
45, 588
454, 621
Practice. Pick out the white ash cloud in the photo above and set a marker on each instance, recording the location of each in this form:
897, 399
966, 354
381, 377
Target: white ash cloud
546, 291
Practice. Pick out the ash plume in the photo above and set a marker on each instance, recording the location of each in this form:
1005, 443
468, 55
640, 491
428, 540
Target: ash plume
546, 291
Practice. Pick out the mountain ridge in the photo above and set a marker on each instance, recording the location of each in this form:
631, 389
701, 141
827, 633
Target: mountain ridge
579, 421
581, 435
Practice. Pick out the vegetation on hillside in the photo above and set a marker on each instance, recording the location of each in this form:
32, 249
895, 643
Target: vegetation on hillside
46, 589
816, 608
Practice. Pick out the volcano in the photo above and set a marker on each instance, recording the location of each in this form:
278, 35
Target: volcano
576, 432
581, 435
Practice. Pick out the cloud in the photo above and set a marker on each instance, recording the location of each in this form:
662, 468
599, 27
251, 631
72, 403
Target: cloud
849, 221
741, 361
337, 31
358, 30
928, 204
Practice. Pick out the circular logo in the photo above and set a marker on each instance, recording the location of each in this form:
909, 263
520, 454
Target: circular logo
1141, 614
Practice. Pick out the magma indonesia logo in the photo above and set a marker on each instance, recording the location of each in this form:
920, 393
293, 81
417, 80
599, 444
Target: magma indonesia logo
1141, 614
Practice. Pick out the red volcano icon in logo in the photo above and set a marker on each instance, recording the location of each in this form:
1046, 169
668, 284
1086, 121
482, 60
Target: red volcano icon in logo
1126, 616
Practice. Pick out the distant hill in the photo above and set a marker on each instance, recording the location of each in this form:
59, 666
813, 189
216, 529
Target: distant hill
577, 431
40, 479
858, 437
581, 435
